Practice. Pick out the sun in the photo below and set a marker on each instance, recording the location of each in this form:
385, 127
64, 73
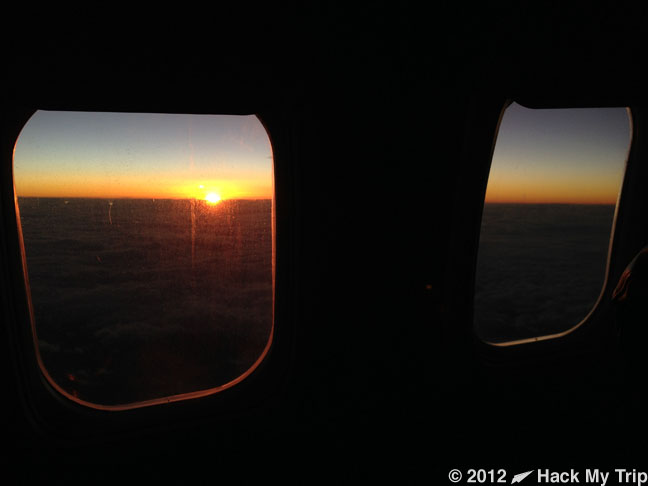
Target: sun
212, 198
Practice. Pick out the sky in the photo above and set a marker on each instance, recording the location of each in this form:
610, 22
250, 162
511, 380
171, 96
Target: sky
137, 155
574, 155
540, 156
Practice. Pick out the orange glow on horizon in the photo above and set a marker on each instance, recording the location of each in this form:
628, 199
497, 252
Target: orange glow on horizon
551, 189
216, 191
548, 199
547, 195
83, 187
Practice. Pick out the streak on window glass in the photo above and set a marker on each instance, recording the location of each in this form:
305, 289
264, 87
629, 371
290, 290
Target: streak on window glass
547, 220
149, 249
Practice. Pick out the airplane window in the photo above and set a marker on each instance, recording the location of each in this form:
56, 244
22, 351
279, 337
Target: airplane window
149, 248
547, 219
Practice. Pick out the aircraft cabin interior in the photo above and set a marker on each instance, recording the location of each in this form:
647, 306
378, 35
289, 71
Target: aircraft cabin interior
410, 329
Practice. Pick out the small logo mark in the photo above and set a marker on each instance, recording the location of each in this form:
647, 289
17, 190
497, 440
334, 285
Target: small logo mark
519, 477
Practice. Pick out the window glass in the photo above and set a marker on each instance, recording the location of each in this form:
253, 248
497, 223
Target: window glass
547, 219
149, 249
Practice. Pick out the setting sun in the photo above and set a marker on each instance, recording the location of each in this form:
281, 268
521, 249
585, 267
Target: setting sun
212, 198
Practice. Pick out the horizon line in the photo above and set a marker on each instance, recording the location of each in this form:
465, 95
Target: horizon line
553, 202
147, 198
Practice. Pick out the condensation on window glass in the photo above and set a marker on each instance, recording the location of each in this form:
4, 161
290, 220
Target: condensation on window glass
149, 250
547, 220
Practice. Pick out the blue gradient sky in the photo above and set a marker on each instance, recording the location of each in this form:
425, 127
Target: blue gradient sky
559, 155
77, 154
